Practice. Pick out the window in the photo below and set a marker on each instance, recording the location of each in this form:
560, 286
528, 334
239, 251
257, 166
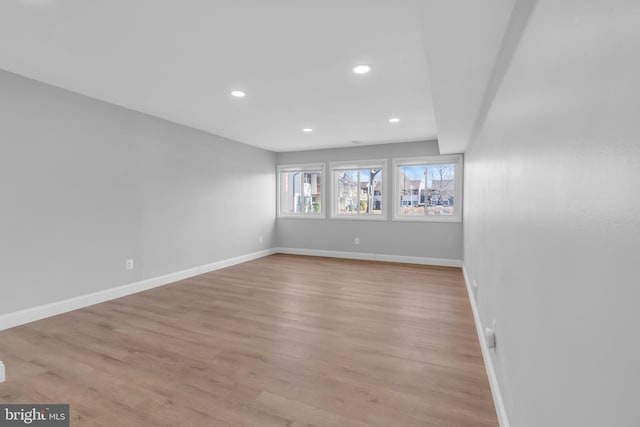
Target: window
358, 189
428, 189
300, 191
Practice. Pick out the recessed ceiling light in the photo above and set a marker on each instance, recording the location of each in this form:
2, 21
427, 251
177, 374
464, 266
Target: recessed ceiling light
307, 130
361, 69
238, 93
394, 120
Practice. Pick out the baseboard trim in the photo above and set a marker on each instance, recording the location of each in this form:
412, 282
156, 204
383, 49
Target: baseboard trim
28, 315
442, 262
503, 420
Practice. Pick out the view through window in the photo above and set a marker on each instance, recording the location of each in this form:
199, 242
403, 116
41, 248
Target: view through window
300, 190
358, 189
426, 188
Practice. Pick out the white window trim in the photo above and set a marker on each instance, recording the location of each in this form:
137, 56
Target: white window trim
359, 164
304, 167
431, 160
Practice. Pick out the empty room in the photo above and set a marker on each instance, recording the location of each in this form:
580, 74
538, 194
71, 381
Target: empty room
320, 213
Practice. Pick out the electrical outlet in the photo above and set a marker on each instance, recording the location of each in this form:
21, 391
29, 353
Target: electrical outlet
129, 264
260, 239
490, 335
475, 284
356, 240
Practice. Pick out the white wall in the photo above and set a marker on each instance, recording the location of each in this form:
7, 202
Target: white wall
408, 239
552, 218
85, 185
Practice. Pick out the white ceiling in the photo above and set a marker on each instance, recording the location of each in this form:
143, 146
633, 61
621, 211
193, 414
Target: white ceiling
179, 60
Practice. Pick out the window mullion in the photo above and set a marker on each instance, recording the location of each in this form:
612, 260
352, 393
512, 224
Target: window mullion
301, 199
426, 185
358, 192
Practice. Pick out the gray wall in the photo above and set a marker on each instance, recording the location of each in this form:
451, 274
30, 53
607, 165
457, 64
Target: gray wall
417, 239
85, 185
552, 218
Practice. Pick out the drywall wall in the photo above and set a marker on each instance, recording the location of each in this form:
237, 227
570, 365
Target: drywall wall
86, 185
552, 218
410, 239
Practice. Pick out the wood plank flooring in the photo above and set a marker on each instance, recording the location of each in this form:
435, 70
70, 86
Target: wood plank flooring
280, 341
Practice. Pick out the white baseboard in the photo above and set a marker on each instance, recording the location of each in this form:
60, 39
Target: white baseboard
503, 420
47, 310
442, 262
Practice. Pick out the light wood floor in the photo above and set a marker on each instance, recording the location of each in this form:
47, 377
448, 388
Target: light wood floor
279, 341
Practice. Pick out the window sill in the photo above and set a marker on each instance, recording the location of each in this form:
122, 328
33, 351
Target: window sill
301, 217
427, 219
360, 218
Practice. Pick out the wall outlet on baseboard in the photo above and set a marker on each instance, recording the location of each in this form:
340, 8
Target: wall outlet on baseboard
129, 264
260, 239
356, 240
490, 335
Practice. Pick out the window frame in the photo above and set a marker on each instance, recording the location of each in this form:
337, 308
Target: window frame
457, 159
359, 164
302, 168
